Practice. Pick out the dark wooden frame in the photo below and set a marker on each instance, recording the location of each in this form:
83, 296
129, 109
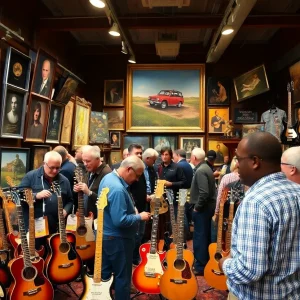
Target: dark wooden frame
61, 106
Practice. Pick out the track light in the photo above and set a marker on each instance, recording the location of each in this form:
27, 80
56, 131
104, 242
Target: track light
227, 29
124, 48
98, 3
114, 30
132, 59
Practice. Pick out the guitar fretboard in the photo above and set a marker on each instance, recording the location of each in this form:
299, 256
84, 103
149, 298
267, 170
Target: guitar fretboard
173, 222
62, 226
180, 225
2, 231
81, 208
153, 247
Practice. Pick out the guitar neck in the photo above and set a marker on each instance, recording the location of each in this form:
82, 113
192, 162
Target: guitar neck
81, 209
98, 252
173, 223
2, 231
180, 236
220, 228
62, 227
7, 216
229, 229
153, 247
31, 231
289, 122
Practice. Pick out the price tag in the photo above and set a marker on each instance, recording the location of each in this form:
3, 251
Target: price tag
71, 223
41, 227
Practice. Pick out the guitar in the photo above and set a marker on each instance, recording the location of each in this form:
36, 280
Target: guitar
63, 264
29, 281
289, 136
93, 286
212, 274
33, 253
148, 273
163, 205
178, 281
217, 124
85, 237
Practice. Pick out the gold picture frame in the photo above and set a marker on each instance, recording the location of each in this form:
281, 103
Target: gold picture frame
218, 117
221, 150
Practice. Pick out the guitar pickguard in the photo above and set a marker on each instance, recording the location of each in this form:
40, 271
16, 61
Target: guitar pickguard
153, 265
72, 253
186, 273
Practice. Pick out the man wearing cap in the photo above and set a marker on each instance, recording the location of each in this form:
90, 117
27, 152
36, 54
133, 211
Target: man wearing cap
211, 158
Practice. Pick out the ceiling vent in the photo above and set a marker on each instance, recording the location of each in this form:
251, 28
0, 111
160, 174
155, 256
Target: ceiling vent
165, 3
167, 46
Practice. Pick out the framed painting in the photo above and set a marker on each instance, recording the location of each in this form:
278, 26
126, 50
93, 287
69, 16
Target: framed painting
250, 84
43, 76
99, 128
115, 157
66, 131
81, 123
14, 163
245, 115
160, 141
116, 118
188, 143
295, 77
115, 139
218, 118
67, 90
37, 119
218, 91
114, 93
251, 128
143, 140
54, 123
13, 112
221, 151
37, 155
17, 69
153, 105
297, 115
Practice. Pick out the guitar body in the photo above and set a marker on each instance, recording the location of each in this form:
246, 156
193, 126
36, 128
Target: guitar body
147, 275
30, 282
63, 264
14, 239
96, 290
179, 282
39, 253
5, 276
289, 135
212, 274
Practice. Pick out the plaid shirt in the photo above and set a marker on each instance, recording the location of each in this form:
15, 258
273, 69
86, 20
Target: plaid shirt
265, 251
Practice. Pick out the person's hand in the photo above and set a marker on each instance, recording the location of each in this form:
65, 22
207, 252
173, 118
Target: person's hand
168, 183
43, 194
148, 198
215, 218
81, 187
145, 216
221, 261
65, 213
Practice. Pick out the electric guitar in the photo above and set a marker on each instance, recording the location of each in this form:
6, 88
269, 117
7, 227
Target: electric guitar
212, 274
178, 281
93, 286
85, 237
147, 275
29, 281
63, 264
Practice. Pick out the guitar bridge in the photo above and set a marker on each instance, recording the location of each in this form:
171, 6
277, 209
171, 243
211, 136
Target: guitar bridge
82, 247
178, 281
65, 266
148, 274
218, 273
32, 292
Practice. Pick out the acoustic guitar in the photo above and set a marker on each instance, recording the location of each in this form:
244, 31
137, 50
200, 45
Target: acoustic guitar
85, 237
178, 281
212, 274
93, 286
29, 281
217, 124
147, 275
63, 264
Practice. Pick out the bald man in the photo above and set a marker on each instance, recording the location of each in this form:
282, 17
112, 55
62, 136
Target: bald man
290, 164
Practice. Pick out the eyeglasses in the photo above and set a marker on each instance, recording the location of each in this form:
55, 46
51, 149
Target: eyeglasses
137, 175
286, 164
53, 168
240, 158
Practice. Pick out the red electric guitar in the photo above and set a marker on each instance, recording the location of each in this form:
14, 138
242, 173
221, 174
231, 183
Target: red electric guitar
147, 275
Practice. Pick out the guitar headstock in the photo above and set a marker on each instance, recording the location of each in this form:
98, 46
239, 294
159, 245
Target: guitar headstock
170, 195
10, 181
29, 196
15, 195
290, 86
56, 188
224, 195
160, 188
78, 174
102, 200
182, 195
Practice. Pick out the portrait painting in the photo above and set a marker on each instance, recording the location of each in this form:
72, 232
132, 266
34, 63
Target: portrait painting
38, 153
218, 119
160, 141
37, 119
251, 128
17, 69
165, 98
66, 129
115, 157
116, 118
14, 163
99, 128
220, 149
143, 140
297, 116
13, 112
295, 77
218, 91
252, 83
44, 72
54, 123
114, 93
188, 143
67, 91
115, 139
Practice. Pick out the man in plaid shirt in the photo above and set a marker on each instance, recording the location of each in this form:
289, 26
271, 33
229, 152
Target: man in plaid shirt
265, 253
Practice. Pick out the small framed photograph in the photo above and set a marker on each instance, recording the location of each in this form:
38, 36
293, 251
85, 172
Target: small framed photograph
13, 112
115, 156
54, 123
143, 140
37, 155
99, 128
251, 128
221, 151
115, 139
114, 93
218, 118
43, 76
160, 141
14, 163
116, 118
17, 69
66, 129
218, 91
188, 143
67, 90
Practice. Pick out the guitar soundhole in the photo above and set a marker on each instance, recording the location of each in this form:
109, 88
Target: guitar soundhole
179, 264
29, 273
218, 256
81, 230
64, 247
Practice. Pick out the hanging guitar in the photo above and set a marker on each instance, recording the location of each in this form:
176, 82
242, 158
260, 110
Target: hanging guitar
29, 281
63, 264
178, 280
93, 286
147, 275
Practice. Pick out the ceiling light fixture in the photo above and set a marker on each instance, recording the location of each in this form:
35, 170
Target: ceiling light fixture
114, 30
132, 59
227, 29
98, 3
124, 48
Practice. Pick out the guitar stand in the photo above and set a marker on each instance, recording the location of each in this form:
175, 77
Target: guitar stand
70, 287
137, 294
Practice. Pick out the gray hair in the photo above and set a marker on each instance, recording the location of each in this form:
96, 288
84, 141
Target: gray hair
180, 152
149, 152
292, 156
132, 161
198, 153
62, 151
52, 155
94, 151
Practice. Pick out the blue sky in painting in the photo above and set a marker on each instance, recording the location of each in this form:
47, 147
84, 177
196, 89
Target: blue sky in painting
150, 82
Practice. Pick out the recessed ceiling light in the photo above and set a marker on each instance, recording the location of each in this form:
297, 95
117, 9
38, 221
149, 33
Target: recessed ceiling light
98, 3
114, 30
227, 30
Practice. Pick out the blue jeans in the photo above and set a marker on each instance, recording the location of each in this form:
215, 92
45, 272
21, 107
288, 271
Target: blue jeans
117, 259
138, 239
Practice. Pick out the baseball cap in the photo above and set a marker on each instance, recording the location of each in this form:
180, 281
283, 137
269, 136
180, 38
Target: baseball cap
211, 154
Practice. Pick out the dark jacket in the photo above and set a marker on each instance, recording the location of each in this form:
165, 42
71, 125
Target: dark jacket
139, 193
67, 169
188, 172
